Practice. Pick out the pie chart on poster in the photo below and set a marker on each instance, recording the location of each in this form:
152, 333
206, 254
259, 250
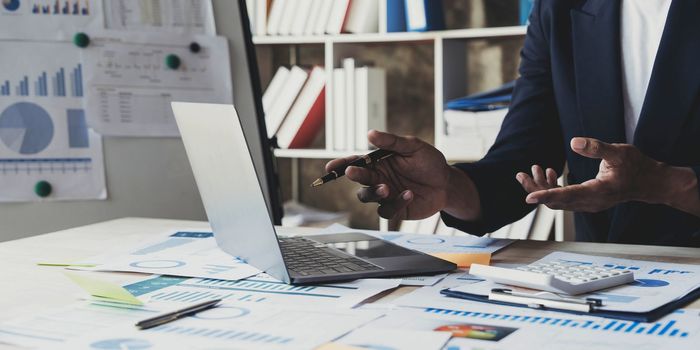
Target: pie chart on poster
10, 5
26, 128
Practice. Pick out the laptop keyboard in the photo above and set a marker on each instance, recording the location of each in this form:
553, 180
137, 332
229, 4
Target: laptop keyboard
309, 258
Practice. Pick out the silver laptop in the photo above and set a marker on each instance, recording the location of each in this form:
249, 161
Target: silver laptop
235, 204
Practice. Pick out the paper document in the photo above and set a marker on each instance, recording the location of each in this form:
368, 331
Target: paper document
236, 326
53, 327
432, 243
259, 289
46, 19
47, 152
372, 338
173, 16
131, 80
185, 253
500, 327
656, 283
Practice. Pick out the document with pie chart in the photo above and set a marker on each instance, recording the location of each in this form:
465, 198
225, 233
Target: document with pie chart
47, 152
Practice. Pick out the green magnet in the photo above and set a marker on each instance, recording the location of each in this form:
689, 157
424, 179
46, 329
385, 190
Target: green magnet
42, 189
172, 61
81, 39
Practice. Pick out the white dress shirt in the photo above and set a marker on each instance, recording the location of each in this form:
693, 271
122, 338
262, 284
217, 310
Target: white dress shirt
642, 25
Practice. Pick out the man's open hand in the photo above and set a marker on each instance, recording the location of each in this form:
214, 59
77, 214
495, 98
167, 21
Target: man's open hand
625, 174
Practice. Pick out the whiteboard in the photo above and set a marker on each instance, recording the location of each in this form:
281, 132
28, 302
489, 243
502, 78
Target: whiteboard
146, 177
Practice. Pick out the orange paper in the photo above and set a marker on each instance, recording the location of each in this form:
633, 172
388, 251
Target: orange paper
465, 259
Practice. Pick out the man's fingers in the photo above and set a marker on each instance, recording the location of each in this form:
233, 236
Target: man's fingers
527, 182
336, 163
396, 208
373, 193
538, 176
390, 142
364, 176
597, 149
586, 191
551, 177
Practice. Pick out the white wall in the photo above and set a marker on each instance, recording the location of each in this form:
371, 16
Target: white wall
145, 177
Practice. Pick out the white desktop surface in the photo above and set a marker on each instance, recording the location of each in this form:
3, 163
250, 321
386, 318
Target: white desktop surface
29, 288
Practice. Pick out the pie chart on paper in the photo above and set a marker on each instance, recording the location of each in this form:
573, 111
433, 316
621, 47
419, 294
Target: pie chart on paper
26, 128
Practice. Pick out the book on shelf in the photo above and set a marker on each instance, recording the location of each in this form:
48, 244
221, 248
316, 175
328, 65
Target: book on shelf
314, 13
275, 87
525, 9
306, 117
284, 100
289, 13
336, 18
362, 17
257, 16
350, 117
424, 15
321, 21
274, 18
395, 16
339, 143
300, 17
370, 103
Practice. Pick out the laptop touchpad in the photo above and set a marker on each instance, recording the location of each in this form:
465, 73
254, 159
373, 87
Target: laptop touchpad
372, 248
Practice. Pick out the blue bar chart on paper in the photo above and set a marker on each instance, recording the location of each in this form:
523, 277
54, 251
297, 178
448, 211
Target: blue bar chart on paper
664, 328
44, 135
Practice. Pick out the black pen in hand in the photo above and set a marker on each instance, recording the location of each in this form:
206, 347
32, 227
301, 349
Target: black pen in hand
363, 161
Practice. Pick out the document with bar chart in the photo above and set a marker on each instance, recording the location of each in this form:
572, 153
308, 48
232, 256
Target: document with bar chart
235, 326
47, 151
130, 83
183, 253
48, 19
261, 289
478, 326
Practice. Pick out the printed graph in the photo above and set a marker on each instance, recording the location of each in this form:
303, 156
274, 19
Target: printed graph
59, 85
224, 334
26, 128
121, 344
28, 166
57, 7
660, 329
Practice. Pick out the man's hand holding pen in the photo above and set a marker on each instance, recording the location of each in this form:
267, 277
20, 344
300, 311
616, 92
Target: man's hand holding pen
412, 184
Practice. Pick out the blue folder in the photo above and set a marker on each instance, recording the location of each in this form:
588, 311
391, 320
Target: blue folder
484, 101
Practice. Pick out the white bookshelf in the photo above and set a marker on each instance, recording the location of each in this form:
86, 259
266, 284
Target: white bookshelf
449, 53
448, 48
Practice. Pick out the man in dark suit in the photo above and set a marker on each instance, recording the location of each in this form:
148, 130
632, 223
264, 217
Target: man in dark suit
610, 87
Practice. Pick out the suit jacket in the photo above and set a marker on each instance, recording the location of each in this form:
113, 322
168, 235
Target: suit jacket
571, 85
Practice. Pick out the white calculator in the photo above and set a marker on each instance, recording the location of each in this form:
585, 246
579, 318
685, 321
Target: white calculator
555, 276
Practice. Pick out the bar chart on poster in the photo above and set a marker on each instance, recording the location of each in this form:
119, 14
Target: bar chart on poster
44, 19
46, 147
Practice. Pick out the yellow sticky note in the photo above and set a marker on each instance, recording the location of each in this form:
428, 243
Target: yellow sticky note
465, 259
336, 346
103, 289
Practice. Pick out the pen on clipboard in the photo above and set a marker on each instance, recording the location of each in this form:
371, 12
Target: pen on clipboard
545, 300
176, 315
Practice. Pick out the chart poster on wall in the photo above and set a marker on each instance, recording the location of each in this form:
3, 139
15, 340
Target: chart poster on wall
173, 16
131, 80
48, 19
47, 152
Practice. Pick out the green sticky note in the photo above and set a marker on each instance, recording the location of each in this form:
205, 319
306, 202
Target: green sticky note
62, 264
103, 289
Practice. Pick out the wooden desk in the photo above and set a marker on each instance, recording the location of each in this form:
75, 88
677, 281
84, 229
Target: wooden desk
28, 288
